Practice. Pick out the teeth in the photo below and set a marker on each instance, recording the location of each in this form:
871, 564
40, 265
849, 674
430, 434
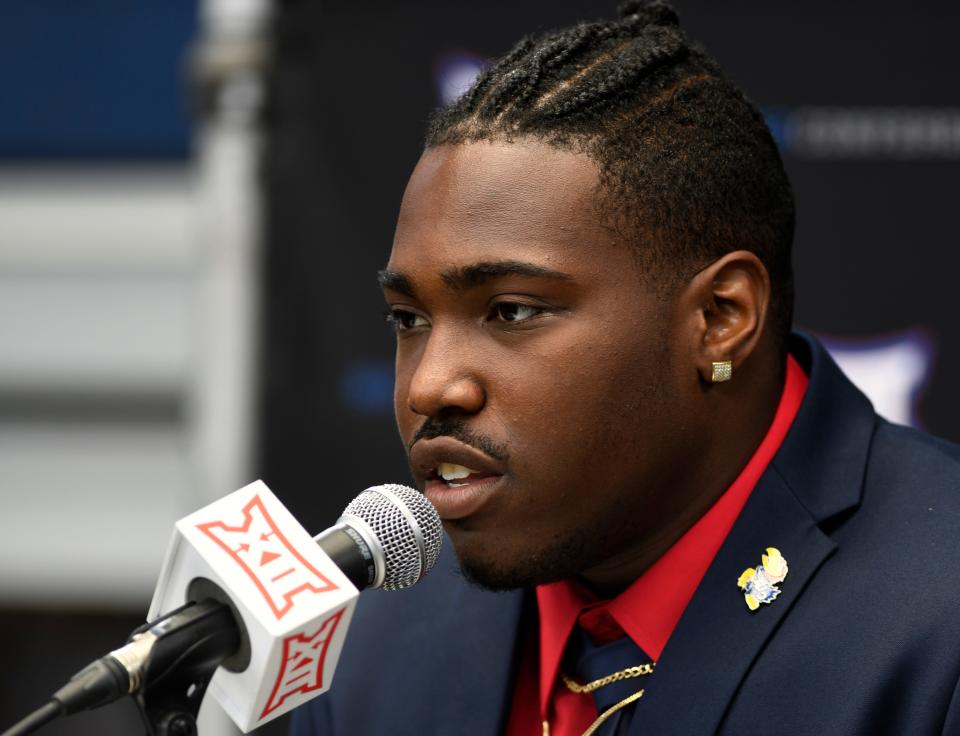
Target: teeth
451, 471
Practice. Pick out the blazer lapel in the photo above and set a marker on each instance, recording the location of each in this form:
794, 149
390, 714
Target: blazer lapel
471, 682
480, 684
816, 475
718, 637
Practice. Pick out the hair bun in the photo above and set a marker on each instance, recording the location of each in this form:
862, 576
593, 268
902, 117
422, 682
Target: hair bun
648, 12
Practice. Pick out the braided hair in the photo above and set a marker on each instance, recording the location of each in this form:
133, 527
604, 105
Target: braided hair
688, 169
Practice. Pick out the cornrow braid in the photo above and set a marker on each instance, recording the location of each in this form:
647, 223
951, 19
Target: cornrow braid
688, 169
615, 75
560, 57
487, 77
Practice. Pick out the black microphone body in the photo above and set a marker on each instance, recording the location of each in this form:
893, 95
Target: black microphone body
350, 553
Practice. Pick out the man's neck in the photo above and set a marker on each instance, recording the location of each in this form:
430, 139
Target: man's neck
733, 429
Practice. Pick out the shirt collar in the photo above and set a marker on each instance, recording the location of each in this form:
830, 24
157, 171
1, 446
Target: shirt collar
648, 611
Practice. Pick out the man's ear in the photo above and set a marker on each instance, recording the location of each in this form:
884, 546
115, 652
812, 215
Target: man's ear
727, 306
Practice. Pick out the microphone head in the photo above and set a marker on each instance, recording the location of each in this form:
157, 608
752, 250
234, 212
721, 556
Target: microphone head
402, 529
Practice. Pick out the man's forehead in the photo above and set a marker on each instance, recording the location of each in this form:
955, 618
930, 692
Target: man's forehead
500, 192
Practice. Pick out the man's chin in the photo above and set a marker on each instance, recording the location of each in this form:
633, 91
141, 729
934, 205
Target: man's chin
559, 560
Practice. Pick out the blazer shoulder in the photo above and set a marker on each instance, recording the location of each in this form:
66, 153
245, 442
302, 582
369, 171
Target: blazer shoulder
908, 520
913, 459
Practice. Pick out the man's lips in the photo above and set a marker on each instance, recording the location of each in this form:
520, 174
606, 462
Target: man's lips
427, 455
461, 496
463, 500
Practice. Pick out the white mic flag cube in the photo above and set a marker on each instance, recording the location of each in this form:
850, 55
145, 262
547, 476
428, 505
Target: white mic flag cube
295, 602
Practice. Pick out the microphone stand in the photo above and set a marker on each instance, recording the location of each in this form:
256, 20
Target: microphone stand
166, 667
185, 649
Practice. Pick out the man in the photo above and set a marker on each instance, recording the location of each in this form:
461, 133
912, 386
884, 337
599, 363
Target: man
669, 516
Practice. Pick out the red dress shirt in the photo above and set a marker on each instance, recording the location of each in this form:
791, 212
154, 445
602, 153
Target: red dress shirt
647, 611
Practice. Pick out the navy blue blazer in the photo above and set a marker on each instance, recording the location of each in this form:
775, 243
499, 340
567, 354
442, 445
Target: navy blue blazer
864, 639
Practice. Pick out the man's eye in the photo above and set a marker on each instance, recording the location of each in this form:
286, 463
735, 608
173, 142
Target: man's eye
514, 312
403, 319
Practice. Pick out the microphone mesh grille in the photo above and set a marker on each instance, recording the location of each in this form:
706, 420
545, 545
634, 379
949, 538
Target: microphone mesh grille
405, 564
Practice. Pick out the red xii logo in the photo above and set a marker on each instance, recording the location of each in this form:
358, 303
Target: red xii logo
301, 669
262, 551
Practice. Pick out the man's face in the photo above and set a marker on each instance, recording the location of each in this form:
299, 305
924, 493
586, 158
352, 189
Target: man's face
536, 387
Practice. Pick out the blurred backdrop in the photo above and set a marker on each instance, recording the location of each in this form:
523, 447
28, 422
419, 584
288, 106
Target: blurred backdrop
195, 196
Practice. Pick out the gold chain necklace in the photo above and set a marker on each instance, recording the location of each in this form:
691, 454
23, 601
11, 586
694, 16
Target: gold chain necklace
628, 673
603, 716
611, 710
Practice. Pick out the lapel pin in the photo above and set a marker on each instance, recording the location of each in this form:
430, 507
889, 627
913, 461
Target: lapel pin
759, 584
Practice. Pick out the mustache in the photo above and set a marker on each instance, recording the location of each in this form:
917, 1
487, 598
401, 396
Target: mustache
458, 430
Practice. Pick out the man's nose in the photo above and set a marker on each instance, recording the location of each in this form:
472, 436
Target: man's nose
446, 379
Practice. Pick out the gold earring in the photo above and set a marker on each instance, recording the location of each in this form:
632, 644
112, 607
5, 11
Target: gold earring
722, 371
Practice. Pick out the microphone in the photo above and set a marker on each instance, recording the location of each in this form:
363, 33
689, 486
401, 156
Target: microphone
387, 537
248, 597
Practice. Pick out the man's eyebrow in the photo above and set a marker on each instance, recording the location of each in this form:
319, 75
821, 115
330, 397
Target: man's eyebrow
395, 281
467, 277
475, 274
